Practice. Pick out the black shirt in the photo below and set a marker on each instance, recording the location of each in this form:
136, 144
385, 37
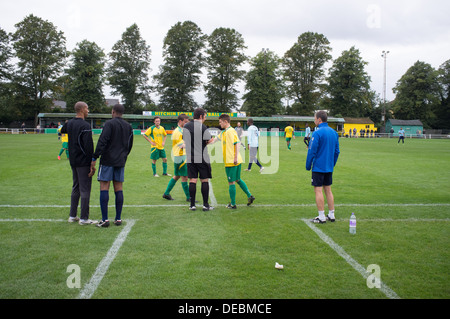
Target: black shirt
81, 146
196, 136
115, 143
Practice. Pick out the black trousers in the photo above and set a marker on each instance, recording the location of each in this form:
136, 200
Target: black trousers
81, 189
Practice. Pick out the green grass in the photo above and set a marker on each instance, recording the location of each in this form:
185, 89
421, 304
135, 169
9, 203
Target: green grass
171, 252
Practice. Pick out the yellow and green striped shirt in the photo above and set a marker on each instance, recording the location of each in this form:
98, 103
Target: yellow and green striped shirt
157, 136
229, 139
177, 142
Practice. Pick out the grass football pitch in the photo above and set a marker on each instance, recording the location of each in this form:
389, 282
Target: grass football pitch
400, 195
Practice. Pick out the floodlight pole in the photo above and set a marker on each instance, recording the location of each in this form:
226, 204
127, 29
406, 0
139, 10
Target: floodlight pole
384, 55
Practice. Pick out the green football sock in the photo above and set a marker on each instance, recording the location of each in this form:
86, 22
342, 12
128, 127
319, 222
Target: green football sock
185, 187
244, 187
170, 186
164, 168
61, 151
154, 168
232, 191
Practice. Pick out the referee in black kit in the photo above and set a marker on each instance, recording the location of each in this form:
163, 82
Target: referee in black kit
196, 136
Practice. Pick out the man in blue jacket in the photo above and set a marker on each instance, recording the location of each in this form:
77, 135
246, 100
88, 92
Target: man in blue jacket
322, 156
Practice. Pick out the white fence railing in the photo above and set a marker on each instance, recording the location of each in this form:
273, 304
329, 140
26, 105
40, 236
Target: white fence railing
395, 135
20, 130
267, 133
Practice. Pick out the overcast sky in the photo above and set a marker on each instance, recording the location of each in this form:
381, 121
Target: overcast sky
410, 30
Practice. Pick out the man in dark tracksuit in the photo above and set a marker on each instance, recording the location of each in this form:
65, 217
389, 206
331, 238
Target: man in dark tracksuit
81, 149
113, 147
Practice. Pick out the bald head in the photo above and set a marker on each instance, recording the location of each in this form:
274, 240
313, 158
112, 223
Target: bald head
81, 108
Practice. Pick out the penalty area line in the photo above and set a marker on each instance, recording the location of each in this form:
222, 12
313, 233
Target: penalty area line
352, 262
90, 288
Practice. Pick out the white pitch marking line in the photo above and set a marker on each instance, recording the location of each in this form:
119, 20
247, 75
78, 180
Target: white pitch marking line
31, 220
90, 288
214, 201
341, 252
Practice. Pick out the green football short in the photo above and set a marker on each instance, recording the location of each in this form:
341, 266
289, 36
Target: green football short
288, 139
233, 173
157, 153
65, 145
180, 166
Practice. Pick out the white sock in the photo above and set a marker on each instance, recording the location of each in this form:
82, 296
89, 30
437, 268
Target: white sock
331, 214
321, 215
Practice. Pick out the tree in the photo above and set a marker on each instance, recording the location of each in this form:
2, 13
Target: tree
264, 85
41, 52
128, 69
86, 76
224, 58
7, 110
179, 76
417, 93
5, 57
349, 86
304, 70
442, 109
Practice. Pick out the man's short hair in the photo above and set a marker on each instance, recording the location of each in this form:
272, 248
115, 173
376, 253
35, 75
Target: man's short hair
199, 112
225, 117
156, 117
119, 109
250, 120
79, 106
182, 117
322, 115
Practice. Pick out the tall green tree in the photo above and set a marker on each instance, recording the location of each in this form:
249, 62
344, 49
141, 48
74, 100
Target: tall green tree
7, 110
417, 94
304, 71
5, 57
349, 86
264, 85
86, 76
41, 52
224, 58
179, 76
128, 69
442, 109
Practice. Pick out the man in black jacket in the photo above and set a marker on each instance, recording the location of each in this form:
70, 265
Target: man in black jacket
113, 147
81, 149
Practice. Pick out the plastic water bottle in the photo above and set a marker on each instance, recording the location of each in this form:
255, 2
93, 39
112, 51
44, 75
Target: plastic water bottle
352, 228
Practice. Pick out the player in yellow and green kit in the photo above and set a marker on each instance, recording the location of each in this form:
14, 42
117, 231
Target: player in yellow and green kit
179, 160
232, 159
156, 135
65, 144
289, 130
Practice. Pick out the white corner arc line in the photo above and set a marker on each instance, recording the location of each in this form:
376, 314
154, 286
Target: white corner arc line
90, 288
341, 252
